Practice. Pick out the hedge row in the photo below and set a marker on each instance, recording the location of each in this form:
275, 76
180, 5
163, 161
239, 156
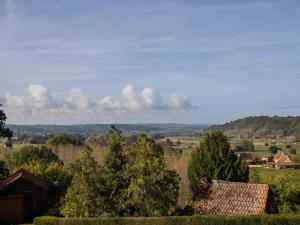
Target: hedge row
182, 220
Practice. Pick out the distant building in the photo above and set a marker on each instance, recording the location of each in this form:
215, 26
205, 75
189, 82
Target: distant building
281, 157
282, 161
236, 198
23, 198
267, 158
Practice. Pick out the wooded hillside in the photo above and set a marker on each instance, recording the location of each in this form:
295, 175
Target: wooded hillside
261, 127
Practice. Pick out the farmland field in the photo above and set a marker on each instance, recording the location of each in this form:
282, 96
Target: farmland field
267, 173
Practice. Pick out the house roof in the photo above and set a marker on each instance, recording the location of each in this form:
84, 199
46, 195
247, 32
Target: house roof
281, 157
235, 198
23, 174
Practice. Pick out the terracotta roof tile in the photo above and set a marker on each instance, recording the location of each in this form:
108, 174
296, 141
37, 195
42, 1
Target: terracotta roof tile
235, 198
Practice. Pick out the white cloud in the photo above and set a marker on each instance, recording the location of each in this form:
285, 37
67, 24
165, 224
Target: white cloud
179, 102
133, 102
38, 106
79, 100
152, 99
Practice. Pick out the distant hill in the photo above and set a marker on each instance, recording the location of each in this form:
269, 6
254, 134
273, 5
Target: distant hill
261, 126
101, 128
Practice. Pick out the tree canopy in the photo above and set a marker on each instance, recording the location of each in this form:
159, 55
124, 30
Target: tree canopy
84, 197
153, 189
30, 153
113, 172
213, 159
4, 131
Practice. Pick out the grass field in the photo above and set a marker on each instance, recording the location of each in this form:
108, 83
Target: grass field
266, 174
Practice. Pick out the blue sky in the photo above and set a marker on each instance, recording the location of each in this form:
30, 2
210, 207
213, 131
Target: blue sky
148, 61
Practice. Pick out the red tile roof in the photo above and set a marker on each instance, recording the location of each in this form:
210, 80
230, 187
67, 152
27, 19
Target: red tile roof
23, 174
281, 157
234, 198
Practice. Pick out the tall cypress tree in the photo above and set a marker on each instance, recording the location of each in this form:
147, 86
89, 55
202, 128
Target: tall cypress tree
213, 159
113, 172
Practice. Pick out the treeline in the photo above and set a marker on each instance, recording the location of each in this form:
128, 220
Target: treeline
95, 129
261, 127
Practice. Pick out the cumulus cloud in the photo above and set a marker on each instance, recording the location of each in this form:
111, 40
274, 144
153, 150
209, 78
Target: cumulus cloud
179, 102
38, 105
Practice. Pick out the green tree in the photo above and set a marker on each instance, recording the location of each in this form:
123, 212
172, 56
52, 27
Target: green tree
4, 131
273, 149
113, 172
287, 193
29, 153
213, 159
4, 172
153, 190
84, 197
61, 139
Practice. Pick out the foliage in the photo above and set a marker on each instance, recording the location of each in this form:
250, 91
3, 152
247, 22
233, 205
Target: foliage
175, 220
153, 189
262, 126
169, 142
29, 153
113, 172
287, 193
97, 140
62, 139
273, 149
84, 195
4, 172
213, 159
4, 131
57, 179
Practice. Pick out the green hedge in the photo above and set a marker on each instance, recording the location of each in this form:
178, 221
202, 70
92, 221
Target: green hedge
182, 220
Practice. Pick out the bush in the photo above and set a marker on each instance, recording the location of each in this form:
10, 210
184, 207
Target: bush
182, 220
30, 153
64, 139
273, 149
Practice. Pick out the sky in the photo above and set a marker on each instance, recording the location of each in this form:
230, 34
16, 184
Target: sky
168, 61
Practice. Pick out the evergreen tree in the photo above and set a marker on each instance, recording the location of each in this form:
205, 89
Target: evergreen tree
113, 172
4, 131
153, 189
84, 196
213, 159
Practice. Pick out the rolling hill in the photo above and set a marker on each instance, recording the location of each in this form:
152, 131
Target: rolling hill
101, 128
261, 126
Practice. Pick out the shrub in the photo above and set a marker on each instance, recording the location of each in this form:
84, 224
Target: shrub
30, 153
273, 149
63, 139
176, 220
